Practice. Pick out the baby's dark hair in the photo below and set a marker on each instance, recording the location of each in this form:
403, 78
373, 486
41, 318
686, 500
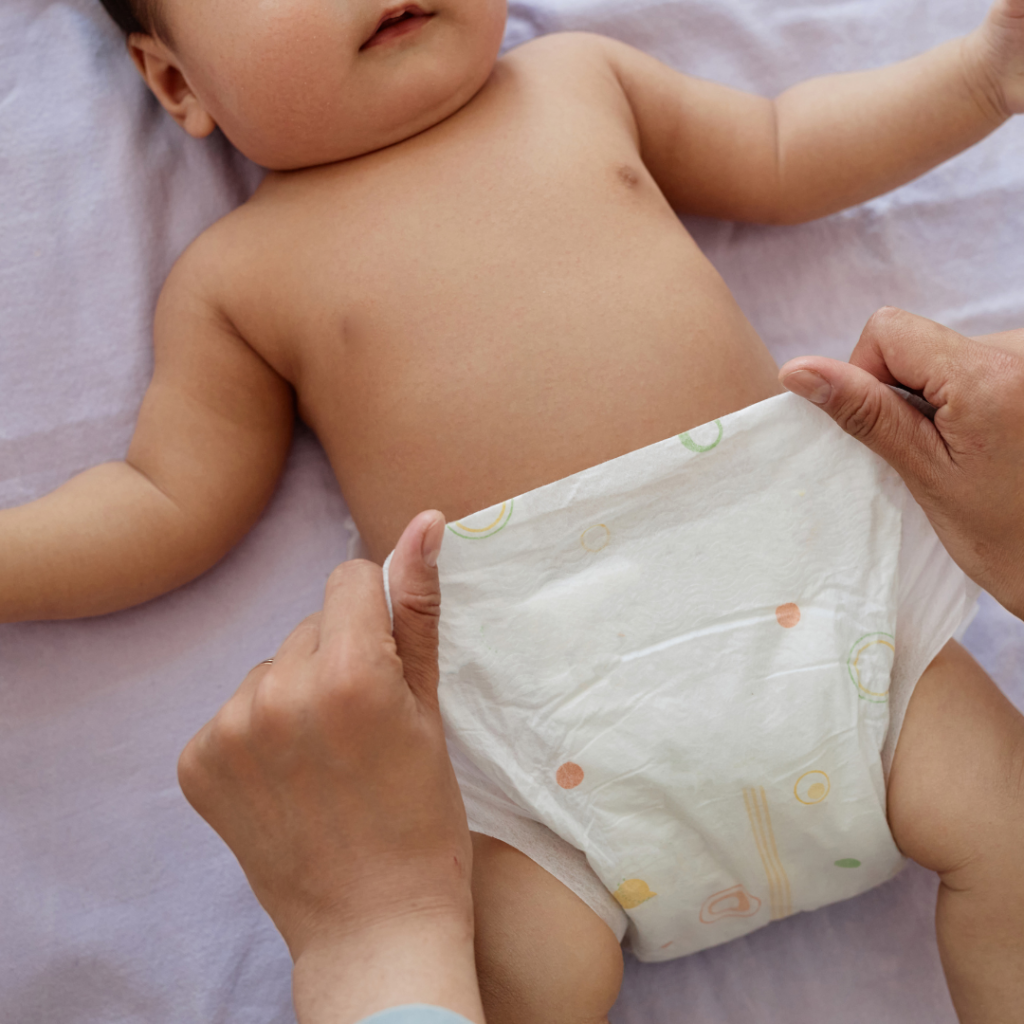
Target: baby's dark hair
136, 16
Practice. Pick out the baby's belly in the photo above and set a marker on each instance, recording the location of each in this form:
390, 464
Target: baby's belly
496, 390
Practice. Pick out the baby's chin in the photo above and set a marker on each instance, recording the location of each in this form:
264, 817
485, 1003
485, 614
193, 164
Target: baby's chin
326, 142
312, 138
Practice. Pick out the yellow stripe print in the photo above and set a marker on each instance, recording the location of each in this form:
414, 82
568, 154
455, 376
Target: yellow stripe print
761, 825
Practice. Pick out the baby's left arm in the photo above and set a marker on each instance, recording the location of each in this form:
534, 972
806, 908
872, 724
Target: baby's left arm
827, 143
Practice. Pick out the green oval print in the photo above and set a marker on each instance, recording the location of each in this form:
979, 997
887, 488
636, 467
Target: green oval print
688, 442
848, 862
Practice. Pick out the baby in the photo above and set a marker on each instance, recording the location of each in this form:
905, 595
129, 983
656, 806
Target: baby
468, 276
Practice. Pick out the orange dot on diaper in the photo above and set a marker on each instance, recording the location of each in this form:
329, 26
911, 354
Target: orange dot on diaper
734, 902
788, 615
632, 893
569, 775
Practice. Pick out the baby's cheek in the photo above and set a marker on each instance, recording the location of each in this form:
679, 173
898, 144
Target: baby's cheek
270, 73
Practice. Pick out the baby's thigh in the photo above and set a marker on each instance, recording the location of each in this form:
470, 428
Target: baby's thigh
543, 956
955, 796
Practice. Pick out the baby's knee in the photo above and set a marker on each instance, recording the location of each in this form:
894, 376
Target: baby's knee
543, 956
956, 791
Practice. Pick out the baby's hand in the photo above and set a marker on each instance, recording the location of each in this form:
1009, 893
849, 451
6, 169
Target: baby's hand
998, 48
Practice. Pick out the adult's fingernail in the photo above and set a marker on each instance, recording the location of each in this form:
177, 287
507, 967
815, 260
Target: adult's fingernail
433, 537
808, 384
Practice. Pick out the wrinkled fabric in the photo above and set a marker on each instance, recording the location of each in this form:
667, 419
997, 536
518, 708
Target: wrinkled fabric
119, 904
680, 662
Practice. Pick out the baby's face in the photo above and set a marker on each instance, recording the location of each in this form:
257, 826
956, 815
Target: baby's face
296, 83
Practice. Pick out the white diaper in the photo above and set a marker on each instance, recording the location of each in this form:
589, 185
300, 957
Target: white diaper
690, 663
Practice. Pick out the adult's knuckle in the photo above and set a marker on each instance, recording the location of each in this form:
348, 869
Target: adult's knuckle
343, 666
861, 416
199, 767
190, 768
424, 602
895, 329
888, 320
353, 572
272, 713
310, 624
228, 730
358, 665
385, 666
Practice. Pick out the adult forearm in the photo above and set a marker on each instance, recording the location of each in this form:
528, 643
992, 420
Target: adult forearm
843, 139
343, 981
107, 539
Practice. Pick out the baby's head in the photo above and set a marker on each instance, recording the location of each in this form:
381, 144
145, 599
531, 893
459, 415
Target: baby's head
296, 83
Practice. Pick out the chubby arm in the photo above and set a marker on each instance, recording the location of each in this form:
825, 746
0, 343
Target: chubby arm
211, 440
827, 143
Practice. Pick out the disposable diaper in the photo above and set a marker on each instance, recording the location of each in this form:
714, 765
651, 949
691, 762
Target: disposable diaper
679, 661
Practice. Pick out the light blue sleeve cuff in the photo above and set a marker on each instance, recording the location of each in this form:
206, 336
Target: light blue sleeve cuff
418, 1014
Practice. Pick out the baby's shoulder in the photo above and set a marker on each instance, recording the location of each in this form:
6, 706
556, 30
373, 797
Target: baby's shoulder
561, 46
575, 65
228, 251
565, 55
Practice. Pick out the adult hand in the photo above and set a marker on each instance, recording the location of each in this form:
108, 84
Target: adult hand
965, 468
328, 777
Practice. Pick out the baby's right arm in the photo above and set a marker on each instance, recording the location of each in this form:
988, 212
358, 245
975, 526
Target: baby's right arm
211, 440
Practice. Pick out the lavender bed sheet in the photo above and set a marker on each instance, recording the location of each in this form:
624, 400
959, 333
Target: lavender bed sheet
118, 904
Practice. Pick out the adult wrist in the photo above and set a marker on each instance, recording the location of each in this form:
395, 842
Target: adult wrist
416, 1013
420, 958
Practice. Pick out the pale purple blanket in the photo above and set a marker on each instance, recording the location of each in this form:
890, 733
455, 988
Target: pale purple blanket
117, 903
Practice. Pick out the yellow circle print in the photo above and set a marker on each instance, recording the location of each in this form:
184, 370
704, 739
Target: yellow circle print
812, 787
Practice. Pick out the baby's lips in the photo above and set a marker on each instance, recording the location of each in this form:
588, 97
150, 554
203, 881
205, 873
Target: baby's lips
393, 14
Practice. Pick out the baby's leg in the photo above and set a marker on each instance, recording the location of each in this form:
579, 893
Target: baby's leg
956, 805
543, 956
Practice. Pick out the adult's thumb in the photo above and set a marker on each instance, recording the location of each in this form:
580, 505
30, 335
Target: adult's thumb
416, 602
870, 411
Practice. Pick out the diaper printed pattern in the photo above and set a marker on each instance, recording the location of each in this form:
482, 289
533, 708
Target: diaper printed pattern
679, 662
483, 524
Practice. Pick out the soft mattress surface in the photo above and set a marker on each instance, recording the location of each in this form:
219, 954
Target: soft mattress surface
119, 904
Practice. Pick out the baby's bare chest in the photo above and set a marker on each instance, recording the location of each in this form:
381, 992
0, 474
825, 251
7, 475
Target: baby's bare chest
526, 292
553, 218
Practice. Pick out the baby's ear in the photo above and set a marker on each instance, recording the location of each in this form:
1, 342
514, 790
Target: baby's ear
159, 67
